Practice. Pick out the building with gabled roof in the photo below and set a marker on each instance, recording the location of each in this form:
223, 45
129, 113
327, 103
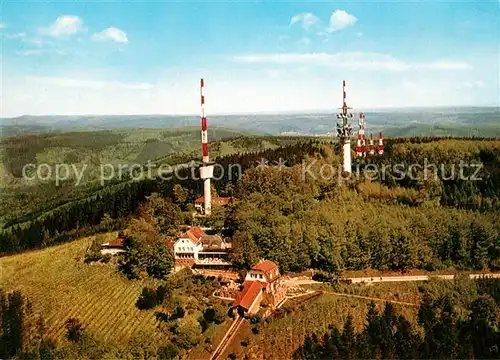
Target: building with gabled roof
266, 271
263, 285
113, 247
201, 249
250, 296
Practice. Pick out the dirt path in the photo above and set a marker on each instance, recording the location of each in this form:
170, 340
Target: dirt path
226, 340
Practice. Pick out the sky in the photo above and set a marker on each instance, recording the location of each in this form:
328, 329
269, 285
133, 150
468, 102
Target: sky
137, 57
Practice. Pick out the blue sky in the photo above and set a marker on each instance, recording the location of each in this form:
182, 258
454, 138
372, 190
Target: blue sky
147, 57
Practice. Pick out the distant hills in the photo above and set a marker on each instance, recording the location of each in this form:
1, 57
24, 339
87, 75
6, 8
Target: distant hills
450, 121
90, 155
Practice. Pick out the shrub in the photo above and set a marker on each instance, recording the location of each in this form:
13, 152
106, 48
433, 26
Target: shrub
74, 330
148, 299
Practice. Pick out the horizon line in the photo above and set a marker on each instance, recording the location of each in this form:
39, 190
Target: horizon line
278, 112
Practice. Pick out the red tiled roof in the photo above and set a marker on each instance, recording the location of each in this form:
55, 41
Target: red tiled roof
196, 231
214, 200
269, 269
170, 243
265, 266
194, 234
116, 243
247, 296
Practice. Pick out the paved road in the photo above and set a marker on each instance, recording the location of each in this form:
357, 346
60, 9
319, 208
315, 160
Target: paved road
398, 278
371, 298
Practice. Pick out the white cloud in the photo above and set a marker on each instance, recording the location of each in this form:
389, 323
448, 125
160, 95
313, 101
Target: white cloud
307, 19
266, 87
3, 25
447, 65
39, 51
305, 41
29, 52
351, 60
36, 42
113, 34
340, 19
471, 84
479, 84
87, 84
64, 25
19, 35
410, 85
274, 74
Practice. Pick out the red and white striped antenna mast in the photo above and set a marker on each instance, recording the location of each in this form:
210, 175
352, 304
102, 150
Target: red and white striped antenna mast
207, 169
380, 144
204, 134
361, 134
359, 151
372, 147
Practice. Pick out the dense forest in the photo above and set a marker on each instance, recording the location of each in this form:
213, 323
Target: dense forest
300, 219
456, 320
362, 223
80, 158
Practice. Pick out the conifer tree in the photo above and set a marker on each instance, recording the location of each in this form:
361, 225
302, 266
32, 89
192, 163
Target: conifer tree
347, 347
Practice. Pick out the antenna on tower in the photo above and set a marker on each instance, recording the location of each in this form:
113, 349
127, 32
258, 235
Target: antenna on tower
344, 131
359, 151
361, 123
371, 147
380, 144
207, 169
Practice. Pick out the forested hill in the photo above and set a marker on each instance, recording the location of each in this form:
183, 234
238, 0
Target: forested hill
431, 121
394, 223
88, 154
456, 319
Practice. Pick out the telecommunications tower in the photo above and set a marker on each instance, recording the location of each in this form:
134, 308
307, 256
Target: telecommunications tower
344, 132
207, 169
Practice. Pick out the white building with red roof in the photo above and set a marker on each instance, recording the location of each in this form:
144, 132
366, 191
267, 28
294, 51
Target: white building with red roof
195, 247
263, 285
188, 245
113, 247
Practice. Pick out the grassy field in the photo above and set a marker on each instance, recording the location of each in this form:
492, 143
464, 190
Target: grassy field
62, 286
403, 291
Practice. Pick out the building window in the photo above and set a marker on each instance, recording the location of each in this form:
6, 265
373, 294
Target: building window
260, 276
